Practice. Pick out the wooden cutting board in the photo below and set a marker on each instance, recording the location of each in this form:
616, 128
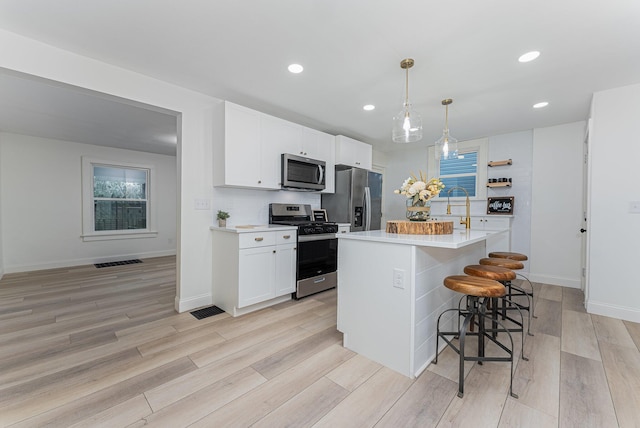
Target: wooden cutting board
431, 227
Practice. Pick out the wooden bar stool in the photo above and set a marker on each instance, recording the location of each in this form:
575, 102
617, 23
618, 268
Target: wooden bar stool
521, 258
478, 292
504, 276
512, 265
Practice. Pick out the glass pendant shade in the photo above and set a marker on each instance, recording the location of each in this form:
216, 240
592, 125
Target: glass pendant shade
447, 146
407, 125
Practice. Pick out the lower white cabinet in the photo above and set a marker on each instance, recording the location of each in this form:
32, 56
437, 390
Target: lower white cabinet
499, 242
252, 270
344, 227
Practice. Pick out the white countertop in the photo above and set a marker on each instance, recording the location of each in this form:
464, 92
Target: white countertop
458, 239
253, 228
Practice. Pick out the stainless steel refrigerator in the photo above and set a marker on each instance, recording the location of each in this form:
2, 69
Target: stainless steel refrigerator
357, 199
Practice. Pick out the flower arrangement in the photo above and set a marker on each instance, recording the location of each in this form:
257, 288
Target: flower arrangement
420, 190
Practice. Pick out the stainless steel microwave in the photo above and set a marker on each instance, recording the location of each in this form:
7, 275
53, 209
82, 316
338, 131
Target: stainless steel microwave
301, 173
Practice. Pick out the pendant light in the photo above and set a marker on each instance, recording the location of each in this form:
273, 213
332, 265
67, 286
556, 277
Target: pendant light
407, 125
447, 146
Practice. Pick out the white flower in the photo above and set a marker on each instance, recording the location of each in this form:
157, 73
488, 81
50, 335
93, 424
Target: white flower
420, 189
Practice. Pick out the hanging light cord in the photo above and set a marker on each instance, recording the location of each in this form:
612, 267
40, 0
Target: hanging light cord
406, 97
446, 117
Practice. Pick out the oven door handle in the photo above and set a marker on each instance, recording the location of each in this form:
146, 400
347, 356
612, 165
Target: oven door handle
318, 237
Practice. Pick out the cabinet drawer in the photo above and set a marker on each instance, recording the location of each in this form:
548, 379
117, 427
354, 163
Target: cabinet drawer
286, 237
257, 239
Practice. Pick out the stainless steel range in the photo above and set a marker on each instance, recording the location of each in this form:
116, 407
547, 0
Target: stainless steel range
317, 248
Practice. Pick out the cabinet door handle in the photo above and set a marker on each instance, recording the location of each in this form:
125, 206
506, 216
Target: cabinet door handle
274, 251
286, 236
258, 239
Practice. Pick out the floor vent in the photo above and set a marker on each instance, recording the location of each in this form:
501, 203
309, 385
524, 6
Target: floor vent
207, 312
123, 262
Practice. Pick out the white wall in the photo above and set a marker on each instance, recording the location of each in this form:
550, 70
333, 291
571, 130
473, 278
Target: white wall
613, 232
399, 166
194, 155
516, 146
556, 205
252, 206
41, 188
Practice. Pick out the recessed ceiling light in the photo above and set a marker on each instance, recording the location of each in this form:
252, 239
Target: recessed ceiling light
541, 105
296, 68
529, 56
369, 107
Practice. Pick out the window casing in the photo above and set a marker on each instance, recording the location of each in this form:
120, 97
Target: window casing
117, 200
468, 171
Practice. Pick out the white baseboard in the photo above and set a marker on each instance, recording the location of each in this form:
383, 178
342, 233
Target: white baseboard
184, 305
555, 280
87, 261
613, 311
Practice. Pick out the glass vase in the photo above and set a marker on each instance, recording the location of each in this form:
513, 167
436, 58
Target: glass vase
418, 211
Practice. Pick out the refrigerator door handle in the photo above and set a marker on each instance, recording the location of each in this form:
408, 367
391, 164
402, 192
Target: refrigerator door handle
367, 208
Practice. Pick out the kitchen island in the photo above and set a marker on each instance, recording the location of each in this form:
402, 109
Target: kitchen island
390, 291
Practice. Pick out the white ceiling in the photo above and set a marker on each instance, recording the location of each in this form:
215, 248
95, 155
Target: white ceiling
351, 50
54, 110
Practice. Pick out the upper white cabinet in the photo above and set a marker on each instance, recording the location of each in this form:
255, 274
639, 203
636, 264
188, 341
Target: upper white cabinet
353, 152
239, 156
248, 146
320, 145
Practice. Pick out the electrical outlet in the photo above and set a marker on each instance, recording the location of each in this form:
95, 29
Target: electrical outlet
398, 278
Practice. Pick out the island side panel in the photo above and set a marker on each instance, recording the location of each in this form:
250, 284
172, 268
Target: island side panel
432, 297
373, 314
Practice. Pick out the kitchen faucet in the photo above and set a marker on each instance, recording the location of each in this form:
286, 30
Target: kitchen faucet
466, 221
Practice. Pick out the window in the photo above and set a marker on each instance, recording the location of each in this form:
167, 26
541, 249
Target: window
460, 172
119, 198
468, 171
116, 200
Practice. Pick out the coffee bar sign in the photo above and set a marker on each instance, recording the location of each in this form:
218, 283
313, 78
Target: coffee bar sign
502, 205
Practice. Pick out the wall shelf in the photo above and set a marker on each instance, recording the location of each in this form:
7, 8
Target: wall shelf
503, 184
500, 163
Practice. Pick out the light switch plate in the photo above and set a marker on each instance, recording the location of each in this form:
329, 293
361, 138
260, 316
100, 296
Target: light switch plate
203, 204
634, 207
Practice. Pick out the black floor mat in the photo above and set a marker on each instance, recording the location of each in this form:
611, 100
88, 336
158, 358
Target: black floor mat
123, 262
207, 312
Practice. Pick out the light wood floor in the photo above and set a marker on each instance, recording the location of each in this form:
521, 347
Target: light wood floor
88, 347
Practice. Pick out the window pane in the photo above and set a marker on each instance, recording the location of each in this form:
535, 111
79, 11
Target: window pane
462, 172
467, 182
120, 183
120, 215
467, 164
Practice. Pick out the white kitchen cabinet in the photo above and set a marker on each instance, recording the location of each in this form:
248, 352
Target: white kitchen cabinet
320, 145
285, 274
256, 275
240, 159
253, 268
499, 242
248, 146
344, 228
281, 136
353, 152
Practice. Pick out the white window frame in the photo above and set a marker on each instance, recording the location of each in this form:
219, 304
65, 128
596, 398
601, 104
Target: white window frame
480, 145
88, 224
